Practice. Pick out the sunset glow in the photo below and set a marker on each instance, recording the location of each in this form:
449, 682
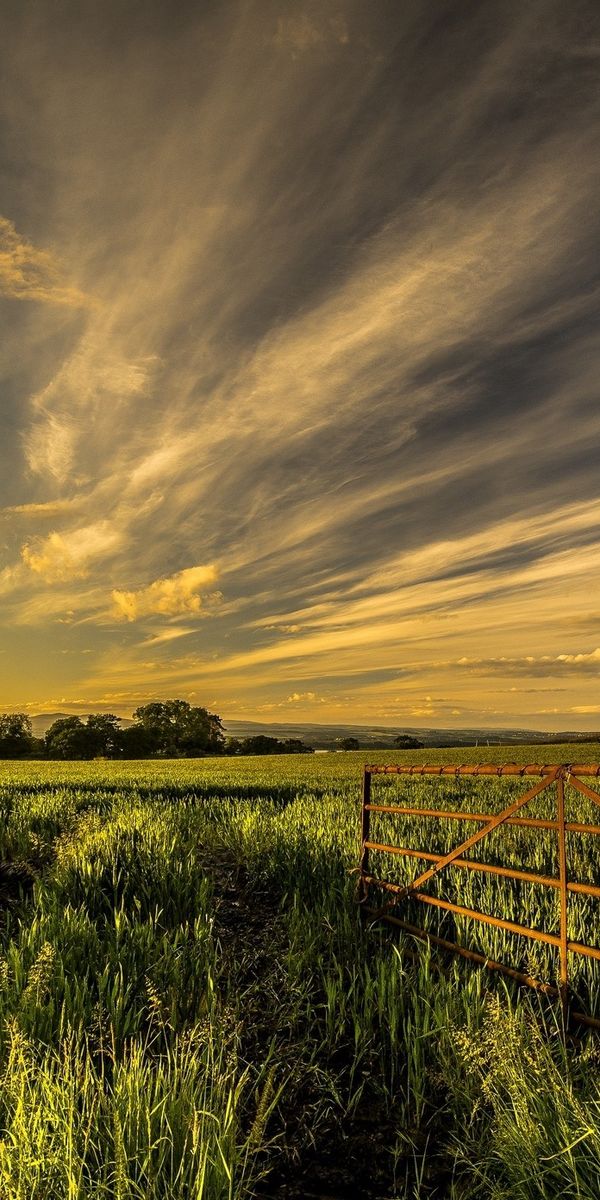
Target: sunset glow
299, 367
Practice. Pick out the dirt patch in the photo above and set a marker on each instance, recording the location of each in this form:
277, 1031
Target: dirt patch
316, 1154
16, 882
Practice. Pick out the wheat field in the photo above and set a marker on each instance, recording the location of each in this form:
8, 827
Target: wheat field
191, 1007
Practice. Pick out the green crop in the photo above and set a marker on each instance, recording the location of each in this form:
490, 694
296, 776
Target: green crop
191, 1006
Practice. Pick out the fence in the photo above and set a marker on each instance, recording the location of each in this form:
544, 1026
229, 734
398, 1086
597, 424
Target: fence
549, 777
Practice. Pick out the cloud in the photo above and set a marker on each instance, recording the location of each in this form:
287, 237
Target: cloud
178, 594
87, 394
61, 557
167, 635
27, 273
584, 662
47, 509
343, 344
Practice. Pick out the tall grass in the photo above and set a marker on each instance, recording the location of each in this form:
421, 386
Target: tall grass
189, 1000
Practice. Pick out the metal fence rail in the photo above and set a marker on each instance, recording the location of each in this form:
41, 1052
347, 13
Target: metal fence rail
549, 777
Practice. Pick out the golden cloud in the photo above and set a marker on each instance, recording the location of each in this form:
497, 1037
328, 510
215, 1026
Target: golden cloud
51, 558
64, 556
46, 508
167, 635
27, 273
172, 596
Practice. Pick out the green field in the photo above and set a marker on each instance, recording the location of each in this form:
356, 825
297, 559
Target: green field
192, 1008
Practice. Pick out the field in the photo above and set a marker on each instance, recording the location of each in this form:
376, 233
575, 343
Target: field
192, 1009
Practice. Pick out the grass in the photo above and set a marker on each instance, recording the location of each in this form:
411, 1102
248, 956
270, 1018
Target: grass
191, 1008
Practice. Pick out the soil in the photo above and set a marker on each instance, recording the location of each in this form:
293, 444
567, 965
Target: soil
346, 1159
16, 882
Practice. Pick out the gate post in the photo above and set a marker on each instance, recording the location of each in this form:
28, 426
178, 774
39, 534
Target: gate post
562, 871
365, 827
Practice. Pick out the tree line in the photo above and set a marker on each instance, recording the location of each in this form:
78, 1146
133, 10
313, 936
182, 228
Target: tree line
162, 729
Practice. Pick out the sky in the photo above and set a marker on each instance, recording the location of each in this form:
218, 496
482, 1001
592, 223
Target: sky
299, 359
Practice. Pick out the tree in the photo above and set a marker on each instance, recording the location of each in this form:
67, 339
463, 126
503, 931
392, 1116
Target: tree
350, 743
135, 742
104, 735
260, 744
295, 746
175, 729
404, 741
99, 736
16, 738
68, 738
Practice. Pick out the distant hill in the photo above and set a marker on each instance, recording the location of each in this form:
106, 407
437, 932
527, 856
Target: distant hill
42, 721
328, 737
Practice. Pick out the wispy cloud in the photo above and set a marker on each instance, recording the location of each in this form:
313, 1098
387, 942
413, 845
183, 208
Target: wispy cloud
61, 557
342, 344
44, 509
29, 273
91, 387
167, 635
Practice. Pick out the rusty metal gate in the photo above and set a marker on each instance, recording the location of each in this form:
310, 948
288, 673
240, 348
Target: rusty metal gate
549, 777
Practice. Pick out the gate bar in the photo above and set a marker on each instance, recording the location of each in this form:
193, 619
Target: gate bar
453, 948
499, 922
553, 939
526, 822
583, 889
590, 770
583, 788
